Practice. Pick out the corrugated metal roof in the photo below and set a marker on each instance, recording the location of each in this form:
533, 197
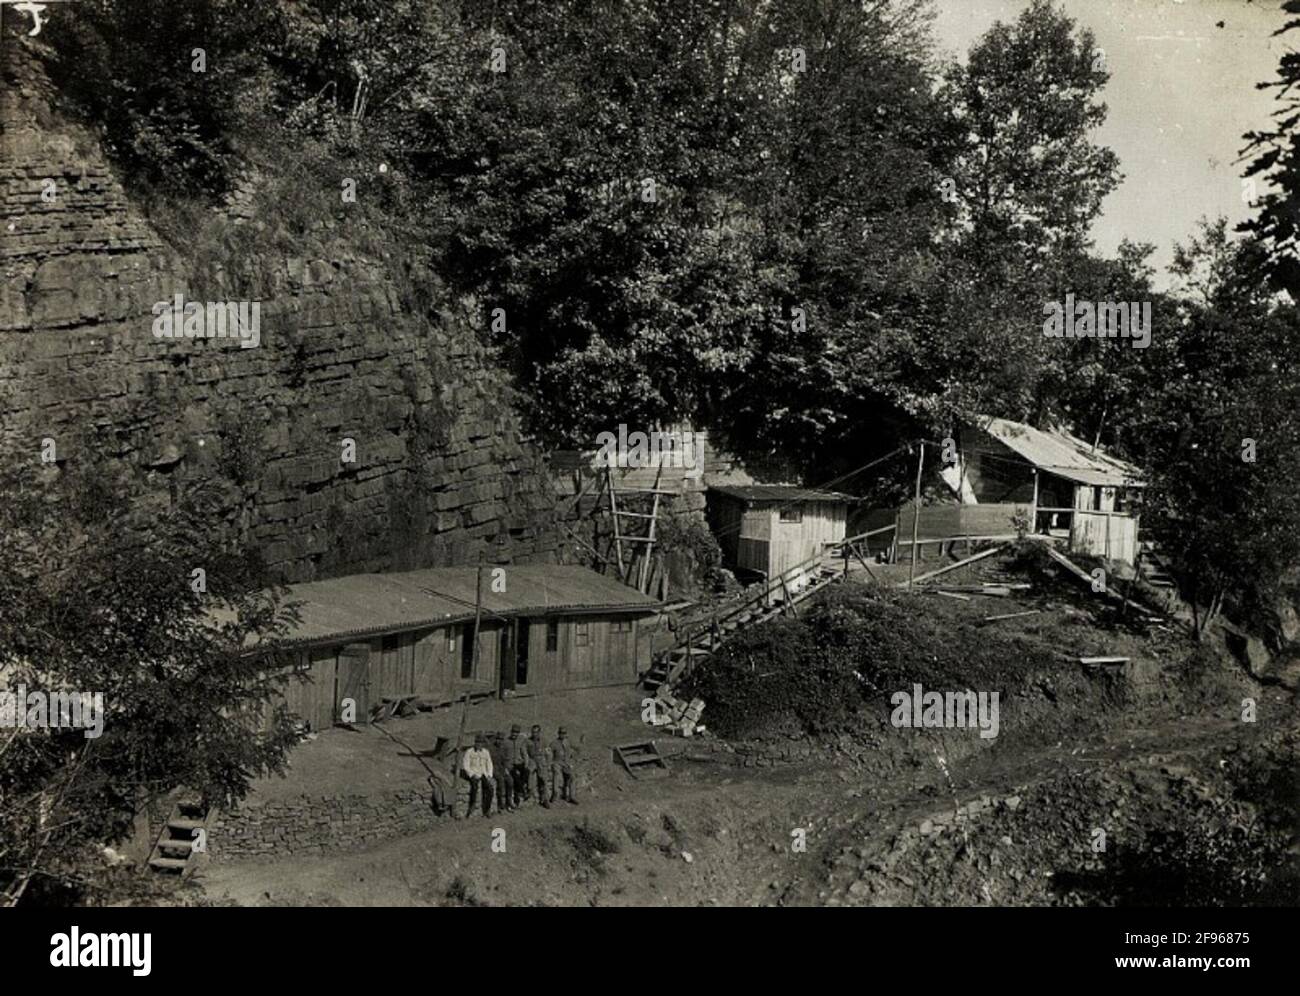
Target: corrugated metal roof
372, 604
1064, 455
779, 492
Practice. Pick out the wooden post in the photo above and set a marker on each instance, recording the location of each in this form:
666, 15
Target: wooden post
916, 514
1033, 512
613, 514
478, 619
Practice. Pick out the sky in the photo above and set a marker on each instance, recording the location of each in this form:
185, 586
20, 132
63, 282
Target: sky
1181, 96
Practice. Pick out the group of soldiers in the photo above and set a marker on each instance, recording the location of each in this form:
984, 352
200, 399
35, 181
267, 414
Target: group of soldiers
509, 768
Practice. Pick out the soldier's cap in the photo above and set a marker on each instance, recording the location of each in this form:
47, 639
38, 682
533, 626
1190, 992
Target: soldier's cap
479, 740
514, 728
562, 731
537, 729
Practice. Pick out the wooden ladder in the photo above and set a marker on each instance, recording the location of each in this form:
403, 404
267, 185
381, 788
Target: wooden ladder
173, 852
632, 548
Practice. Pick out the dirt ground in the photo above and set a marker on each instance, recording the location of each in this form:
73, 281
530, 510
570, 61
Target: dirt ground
363, 761
890, 817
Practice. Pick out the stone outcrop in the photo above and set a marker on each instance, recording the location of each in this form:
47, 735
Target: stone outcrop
442, 467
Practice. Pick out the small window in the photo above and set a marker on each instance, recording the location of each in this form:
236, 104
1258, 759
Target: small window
622, 626
580, 634
552, 635
467, 651
792, 515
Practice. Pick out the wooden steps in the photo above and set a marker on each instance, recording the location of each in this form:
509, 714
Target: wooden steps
173, 852
640, 757
781, 594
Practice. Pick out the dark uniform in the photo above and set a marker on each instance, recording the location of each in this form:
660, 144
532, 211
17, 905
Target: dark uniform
501, 777
537, 764
562, 768
517, 750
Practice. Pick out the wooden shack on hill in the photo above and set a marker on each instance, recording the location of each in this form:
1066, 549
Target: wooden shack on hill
1073, 491
376, 637
767, 529
1008, 477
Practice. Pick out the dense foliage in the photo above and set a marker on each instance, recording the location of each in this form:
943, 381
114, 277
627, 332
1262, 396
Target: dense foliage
789, 221
99, 597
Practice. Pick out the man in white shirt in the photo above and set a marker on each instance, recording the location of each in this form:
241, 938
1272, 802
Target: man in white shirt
476, 766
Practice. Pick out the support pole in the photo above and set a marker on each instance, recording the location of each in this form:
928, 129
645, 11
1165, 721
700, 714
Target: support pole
1033, 512
916, 514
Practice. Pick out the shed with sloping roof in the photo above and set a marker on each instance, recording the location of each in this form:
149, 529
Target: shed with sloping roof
766, 529
371, 637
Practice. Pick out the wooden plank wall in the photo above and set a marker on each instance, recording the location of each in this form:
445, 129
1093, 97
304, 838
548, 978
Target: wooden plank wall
754, 549
795, 542
939, 521
1101, 535
428, 664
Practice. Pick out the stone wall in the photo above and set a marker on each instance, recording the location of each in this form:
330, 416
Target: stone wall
307, 825
442, 465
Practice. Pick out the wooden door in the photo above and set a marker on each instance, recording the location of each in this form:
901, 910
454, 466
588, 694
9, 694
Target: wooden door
354, 681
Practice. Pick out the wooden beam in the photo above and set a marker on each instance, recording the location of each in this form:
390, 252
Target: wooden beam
961, 563
618, 540
916, 515
1013, 615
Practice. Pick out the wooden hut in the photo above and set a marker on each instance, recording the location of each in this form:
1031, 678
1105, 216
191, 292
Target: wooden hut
766, 529
1068, 489
377, 637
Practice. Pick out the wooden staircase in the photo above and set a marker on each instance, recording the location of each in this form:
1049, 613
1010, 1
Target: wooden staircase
173, 853
1152, 569
781, 594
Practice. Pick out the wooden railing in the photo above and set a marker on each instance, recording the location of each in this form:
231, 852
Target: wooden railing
847, 548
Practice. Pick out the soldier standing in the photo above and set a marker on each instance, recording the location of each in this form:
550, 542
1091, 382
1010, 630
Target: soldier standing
501, 776
562, 767
517, 749
537, 764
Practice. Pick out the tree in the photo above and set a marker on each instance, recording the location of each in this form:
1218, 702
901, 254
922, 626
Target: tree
1027, 172
100, 597
1276, 223
1221, 436
167, 82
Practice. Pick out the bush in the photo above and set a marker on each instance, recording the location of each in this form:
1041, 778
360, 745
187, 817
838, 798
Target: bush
848, 648
131, 67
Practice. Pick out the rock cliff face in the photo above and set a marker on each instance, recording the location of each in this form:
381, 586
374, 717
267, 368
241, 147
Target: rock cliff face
441, 466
